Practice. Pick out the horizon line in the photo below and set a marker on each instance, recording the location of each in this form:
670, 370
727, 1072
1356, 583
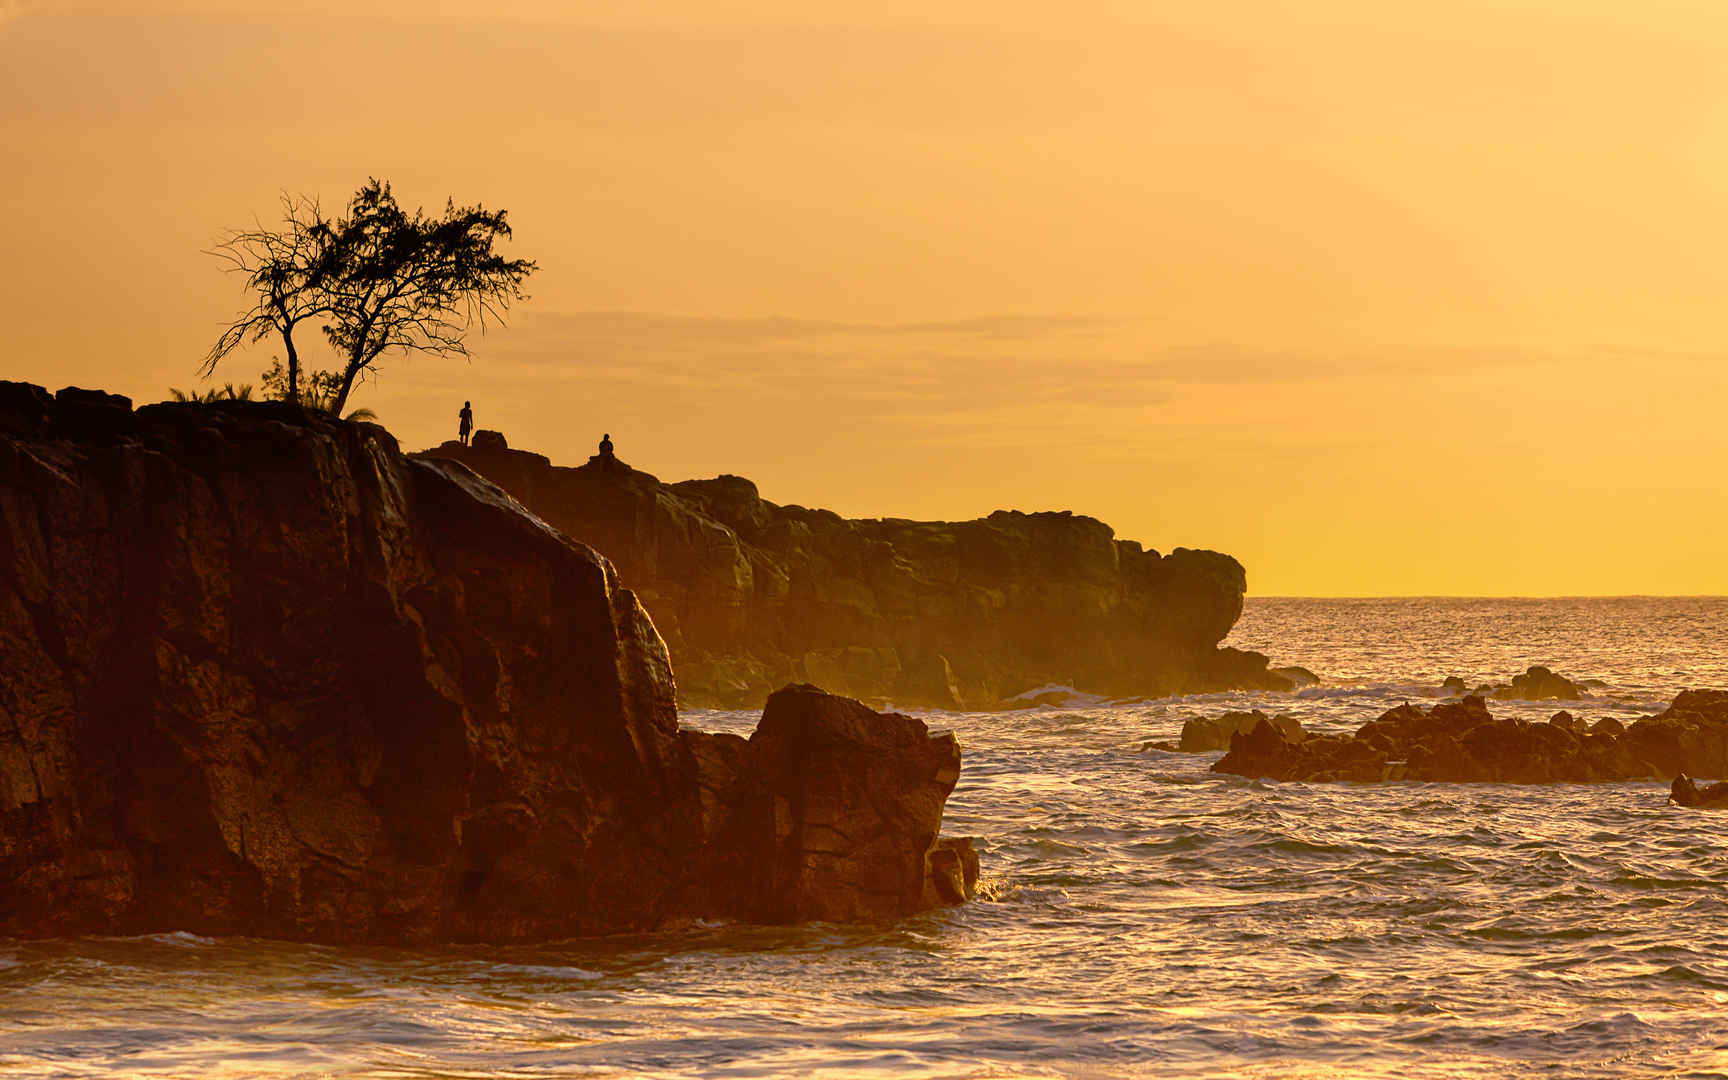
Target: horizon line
1487, 596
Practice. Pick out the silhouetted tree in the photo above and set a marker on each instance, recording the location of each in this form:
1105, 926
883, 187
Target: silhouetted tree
288, 269
413, 282
379, 278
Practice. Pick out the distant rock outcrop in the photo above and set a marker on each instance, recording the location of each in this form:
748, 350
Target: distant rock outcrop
1460, 742
1540, 684
1536, 684
260, 674
751, 595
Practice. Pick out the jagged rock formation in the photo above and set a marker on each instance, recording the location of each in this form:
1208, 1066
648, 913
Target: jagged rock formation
1460, 742
261, 674
1207, 733
751, 595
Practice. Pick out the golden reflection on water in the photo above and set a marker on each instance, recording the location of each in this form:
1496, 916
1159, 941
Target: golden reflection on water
1146, 918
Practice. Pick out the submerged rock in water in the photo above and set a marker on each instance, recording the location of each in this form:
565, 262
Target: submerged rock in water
1685, 792
1298, 676
1461, 742
260, 674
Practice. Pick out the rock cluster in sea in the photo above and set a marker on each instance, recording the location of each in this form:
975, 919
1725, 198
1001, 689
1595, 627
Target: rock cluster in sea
751, 595
1538, 683
262, 674
1461, 742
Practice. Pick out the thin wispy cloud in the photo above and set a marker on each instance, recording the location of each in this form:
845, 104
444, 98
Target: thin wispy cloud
647, 330
1002, 381
1079, 356
11, 10
1228, 363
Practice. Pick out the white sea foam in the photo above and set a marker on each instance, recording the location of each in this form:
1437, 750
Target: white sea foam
1057, 696
182, 939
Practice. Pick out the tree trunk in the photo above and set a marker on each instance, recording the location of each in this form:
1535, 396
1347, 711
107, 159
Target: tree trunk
348, 374
293, 368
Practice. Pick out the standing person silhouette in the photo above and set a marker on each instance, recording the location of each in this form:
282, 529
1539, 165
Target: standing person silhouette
467, 424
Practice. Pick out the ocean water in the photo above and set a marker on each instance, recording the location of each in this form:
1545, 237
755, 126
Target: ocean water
1143, 916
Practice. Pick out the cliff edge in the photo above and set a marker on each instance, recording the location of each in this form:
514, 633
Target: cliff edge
261, 674
751, 595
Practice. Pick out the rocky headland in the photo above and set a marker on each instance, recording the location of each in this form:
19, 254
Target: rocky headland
1461, 742
262, 674
751, 595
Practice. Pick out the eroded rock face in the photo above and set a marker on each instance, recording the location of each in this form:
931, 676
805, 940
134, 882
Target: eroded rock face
752, 595
260, 674
1461, 742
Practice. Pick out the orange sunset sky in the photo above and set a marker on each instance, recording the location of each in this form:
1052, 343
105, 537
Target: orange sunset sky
1381, 298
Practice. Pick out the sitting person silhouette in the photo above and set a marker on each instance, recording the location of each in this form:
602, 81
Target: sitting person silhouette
467, 422
606, 445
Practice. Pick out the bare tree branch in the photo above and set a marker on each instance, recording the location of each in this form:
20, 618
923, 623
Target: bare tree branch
288, 270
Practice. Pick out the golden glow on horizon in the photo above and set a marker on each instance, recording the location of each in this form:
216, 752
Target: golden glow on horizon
1379, 298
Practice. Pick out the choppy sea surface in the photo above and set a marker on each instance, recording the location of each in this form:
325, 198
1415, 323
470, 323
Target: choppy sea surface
1145, 917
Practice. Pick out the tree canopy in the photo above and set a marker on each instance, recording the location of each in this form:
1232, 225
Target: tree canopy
377, 279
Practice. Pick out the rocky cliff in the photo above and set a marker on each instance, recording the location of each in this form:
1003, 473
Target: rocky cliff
261, 674
751, 595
